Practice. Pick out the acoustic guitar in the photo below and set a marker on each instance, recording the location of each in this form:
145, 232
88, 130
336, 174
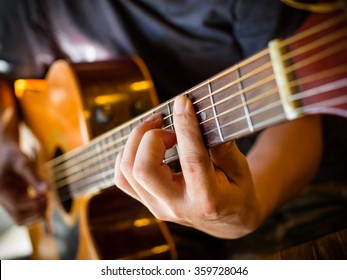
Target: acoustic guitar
73, 113
88, 217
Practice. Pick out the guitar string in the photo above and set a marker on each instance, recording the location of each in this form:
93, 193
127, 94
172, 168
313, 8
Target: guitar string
97, 150
344, 83
95, 177
55, 162
107, 164
339, 84
74, 152
97, 147
74, 178
257, 97
314, 30
104, 155
107, 176
308, 93
296, 37
81, 170
287, 56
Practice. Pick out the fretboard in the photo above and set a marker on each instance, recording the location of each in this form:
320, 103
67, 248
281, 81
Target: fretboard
237, 102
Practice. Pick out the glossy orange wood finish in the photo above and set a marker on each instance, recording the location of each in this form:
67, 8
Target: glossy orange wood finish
59, 112
53, 109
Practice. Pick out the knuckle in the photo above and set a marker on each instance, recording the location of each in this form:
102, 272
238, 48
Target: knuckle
194, 162
125, 166
141, 173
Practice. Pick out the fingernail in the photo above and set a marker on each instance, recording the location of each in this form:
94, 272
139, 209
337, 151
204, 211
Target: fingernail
180, 105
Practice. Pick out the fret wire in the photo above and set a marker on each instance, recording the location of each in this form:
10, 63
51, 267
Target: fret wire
254, 113
244, 103
214, 112
264, 67
170, 114
244, 62
236, 94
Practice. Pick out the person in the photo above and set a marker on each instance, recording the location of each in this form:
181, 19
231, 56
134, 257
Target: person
226, 192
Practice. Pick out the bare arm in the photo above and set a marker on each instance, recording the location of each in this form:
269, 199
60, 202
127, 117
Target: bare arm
284, 160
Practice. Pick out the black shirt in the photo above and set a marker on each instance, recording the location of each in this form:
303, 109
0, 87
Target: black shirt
182, 42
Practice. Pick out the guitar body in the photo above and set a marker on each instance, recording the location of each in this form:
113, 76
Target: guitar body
99, 224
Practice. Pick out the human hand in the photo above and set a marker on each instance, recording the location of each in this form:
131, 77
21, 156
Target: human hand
213, 193
22, 193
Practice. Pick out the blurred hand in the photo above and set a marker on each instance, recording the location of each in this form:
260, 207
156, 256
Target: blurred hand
22, 193
213, 193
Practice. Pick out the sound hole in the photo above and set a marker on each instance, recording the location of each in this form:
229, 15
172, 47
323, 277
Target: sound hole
63, 188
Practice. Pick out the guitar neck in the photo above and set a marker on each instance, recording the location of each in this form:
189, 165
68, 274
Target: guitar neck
304, 74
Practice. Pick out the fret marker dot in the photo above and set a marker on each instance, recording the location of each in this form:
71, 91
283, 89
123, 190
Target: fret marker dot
203, 116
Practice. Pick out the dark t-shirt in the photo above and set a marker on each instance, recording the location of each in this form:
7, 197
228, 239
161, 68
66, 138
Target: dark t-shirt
182, 42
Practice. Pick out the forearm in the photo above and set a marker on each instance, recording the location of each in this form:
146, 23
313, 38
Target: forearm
284, 160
